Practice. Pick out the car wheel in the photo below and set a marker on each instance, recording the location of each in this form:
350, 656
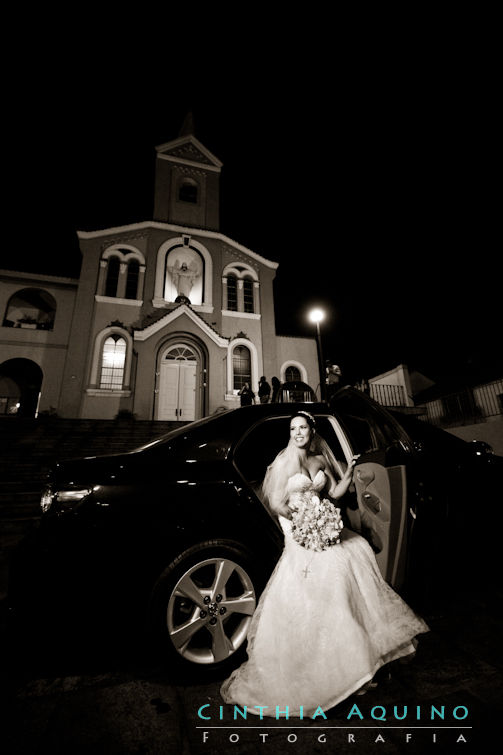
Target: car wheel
202, 604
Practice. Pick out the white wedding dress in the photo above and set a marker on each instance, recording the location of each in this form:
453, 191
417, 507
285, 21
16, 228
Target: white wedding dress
325, 623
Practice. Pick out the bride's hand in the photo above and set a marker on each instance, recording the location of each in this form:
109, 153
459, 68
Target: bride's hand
286, 511
286, 507
349, 471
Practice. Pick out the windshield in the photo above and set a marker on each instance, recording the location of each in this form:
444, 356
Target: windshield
218, 419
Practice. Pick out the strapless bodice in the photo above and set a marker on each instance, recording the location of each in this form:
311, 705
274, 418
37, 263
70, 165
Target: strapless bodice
301, 481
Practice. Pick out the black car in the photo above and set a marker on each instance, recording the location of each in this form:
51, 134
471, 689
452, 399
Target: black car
174, 535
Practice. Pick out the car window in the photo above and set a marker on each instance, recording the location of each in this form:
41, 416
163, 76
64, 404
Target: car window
325, 428
198, 441
265, 440
369, 429
260, 446
360, 431
207, 426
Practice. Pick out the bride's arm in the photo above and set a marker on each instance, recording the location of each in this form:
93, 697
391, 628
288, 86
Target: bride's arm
279, 505
338, 489
283, 509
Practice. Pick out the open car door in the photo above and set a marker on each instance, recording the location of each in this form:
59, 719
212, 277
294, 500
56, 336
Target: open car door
380, 480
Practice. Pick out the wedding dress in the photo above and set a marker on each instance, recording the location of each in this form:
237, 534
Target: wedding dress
325, 623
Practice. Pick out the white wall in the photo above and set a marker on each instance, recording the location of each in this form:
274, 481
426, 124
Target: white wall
296, 351
397, 376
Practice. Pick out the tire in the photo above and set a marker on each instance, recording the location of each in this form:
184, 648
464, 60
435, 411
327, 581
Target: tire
201, 606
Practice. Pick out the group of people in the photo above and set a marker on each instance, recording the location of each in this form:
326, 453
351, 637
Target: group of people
326, 621
266, 394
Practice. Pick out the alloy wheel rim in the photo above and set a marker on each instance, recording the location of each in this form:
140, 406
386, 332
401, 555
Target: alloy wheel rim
210, 609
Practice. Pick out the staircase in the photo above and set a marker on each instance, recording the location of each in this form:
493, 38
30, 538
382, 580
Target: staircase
29, 447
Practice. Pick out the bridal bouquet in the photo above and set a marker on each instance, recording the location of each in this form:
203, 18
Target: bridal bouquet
316, 523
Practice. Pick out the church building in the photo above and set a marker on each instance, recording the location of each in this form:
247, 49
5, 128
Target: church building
167, 320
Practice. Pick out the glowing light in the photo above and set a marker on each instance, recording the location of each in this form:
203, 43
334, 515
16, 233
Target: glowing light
316, 315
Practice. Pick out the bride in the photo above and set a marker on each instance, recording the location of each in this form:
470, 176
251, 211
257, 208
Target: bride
326, 621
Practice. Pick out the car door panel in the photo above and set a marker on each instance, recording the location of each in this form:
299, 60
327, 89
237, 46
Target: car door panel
380, 478
373, 490
381, 516
381, 493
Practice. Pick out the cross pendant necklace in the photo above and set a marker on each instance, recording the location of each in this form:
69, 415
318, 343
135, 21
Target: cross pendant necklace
306, 571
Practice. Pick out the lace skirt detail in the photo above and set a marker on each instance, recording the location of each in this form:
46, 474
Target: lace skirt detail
325, 623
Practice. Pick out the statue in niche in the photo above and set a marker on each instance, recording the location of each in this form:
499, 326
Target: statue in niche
183, 277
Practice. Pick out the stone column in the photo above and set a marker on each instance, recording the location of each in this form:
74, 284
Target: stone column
241, 302
102, 277
224, 294
121, 285
141, 281
256, 297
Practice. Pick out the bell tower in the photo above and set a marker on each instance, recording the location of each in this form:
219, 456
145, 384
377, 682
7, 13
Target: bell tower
187, 182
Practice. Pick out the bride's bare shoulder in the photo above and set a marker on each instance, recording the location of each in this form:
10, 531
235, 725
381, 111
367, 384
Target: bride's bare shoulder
316, 463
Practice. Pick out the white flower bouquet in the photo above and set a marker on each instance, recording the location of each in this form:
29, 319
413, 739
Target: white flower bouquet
316, 523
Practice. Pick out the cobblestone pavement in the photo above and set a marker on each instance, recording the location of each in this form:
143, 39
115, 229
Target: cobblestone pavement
118, 701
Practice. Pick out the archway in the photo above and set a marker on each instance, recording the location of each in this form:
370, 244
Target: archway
182, 380
20, 384
31, 308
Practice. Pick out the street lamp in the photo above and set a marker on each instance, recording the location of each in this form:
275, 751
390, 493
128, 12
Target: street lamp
317, 316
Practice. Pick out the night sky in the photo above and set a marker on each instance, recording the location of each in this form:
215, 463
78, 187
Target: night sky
373, 190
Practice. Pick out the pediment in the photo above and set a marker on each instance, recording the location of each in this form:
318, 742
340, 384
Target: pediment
188, 149
145, 333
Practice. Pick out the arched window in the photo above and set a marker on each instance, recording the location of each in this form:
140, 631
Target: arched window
187, 191
241, 366
240, 285
121, 273
112, 276
232, 293
133, 273
181, 354
292, 374
248, 295
31, 308
113, 362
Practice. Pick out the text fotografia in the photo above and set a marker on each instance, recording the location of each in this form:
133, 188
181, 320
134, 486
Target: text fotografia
336, 737
376, 713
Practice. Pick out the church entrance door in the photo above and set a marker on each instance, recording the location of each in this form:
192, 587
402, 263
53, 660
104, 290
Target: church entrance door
177, 384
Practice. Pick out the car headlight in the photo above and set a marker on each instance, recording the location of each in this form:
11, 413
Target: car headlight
46, 499
66, 498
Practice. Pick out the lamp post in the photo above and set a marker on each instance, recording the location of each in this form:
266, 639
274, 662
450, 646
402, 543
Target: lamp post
317, 316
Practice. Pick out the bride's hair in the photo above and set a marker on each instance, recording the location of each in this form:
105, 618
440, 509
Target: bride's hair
308, 417
287, 463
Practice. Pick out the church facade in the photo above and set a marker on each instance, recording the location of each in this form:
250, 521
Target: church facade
168, 319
